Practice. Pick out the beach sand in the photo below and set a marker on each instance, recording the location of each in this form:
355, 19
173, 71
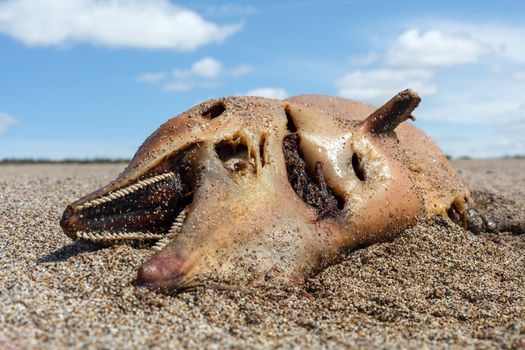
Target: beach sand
435, 286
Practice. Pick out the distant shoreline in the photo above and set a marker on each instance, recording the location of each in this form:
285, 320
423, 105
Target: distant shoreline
14, 161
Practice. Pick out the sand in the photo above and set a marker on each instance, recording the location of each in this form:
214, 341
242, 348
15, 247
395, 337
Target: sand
435, 286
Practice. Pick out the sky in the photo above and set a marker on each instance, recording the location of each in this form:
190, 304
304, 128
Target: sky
94, 78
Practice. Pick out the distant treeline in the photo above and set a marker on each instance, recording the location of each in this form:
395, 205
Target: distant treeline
518, 156
63, 161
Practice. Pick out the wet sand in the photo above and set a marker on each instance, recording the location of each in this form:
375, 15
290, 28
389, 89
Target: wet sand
435, 286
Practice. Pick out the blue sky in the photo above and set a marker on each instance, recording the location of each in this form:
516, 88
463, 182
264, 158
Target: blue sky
93, 78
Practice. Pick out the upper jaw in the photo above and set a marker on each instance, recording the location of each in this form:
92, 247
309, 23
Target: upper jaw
133, 209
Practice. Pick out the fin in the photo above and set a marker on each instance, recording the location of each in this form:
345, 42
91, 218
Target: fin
394, 112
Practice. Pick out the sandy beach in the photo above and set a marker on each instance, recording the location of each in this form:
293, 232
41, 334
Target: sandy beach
435, 286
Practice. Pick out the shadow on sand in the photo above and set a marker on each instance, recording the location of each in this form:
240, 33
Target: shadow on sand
68, 251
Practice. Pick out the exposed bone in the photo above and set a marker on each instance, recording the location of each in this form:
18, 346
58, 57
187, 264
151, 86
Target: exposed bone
125, 191
174, 230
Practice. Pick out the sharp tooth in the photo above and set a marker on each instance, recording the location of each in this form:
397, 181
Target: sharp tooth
182, 216
124, 191
173, 231
161, 244
109, 236
115, 236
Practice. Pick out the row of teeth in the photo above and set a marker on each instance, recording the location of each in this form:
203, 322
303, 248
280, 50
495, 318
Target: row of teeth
164, 239
175, 229
116, 236
125, 191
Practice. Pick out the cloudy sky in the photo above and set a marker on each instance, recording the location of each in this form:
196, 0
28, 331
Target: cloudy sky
93, 78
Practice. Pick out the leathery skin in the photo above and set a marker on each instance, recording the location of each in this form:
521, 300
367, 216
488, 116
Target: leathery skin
248, 190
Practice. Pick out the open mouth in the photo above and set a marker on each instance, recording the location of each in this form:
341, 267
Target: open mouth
152, 208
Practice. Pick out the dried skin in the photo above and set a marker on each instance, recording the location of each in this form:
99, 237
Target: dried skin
268, 192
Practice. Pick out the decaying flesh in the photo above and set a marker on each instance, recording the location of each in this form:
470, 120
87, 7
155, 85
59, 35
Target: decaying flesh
253, 190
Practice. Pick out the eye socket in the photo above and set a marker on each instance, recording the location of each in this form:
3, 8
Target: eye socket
357, 165
290, 123
262, 149
214, 111
235, 156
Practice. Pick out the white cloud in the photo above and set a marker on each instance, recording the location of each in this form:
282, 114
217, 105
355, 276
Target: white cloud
376, 86
6, 121
496, 67
433, 49
228, 10
419, 59
182, 73
505, 41
151, 77
241, 70
188, 85
481, 99
155, 24
207, 67
364, 60
179, 86
268, 92
471, 78
519, 75
480, 144
471, 107
204, 73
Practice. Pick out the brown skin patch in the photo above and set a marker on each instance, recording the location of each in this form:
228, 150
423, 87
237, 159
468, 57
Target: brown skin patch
311, 188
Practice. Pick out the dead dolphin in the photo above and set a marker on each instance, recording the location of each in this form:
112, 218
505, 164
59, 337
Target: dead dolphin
249, 190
